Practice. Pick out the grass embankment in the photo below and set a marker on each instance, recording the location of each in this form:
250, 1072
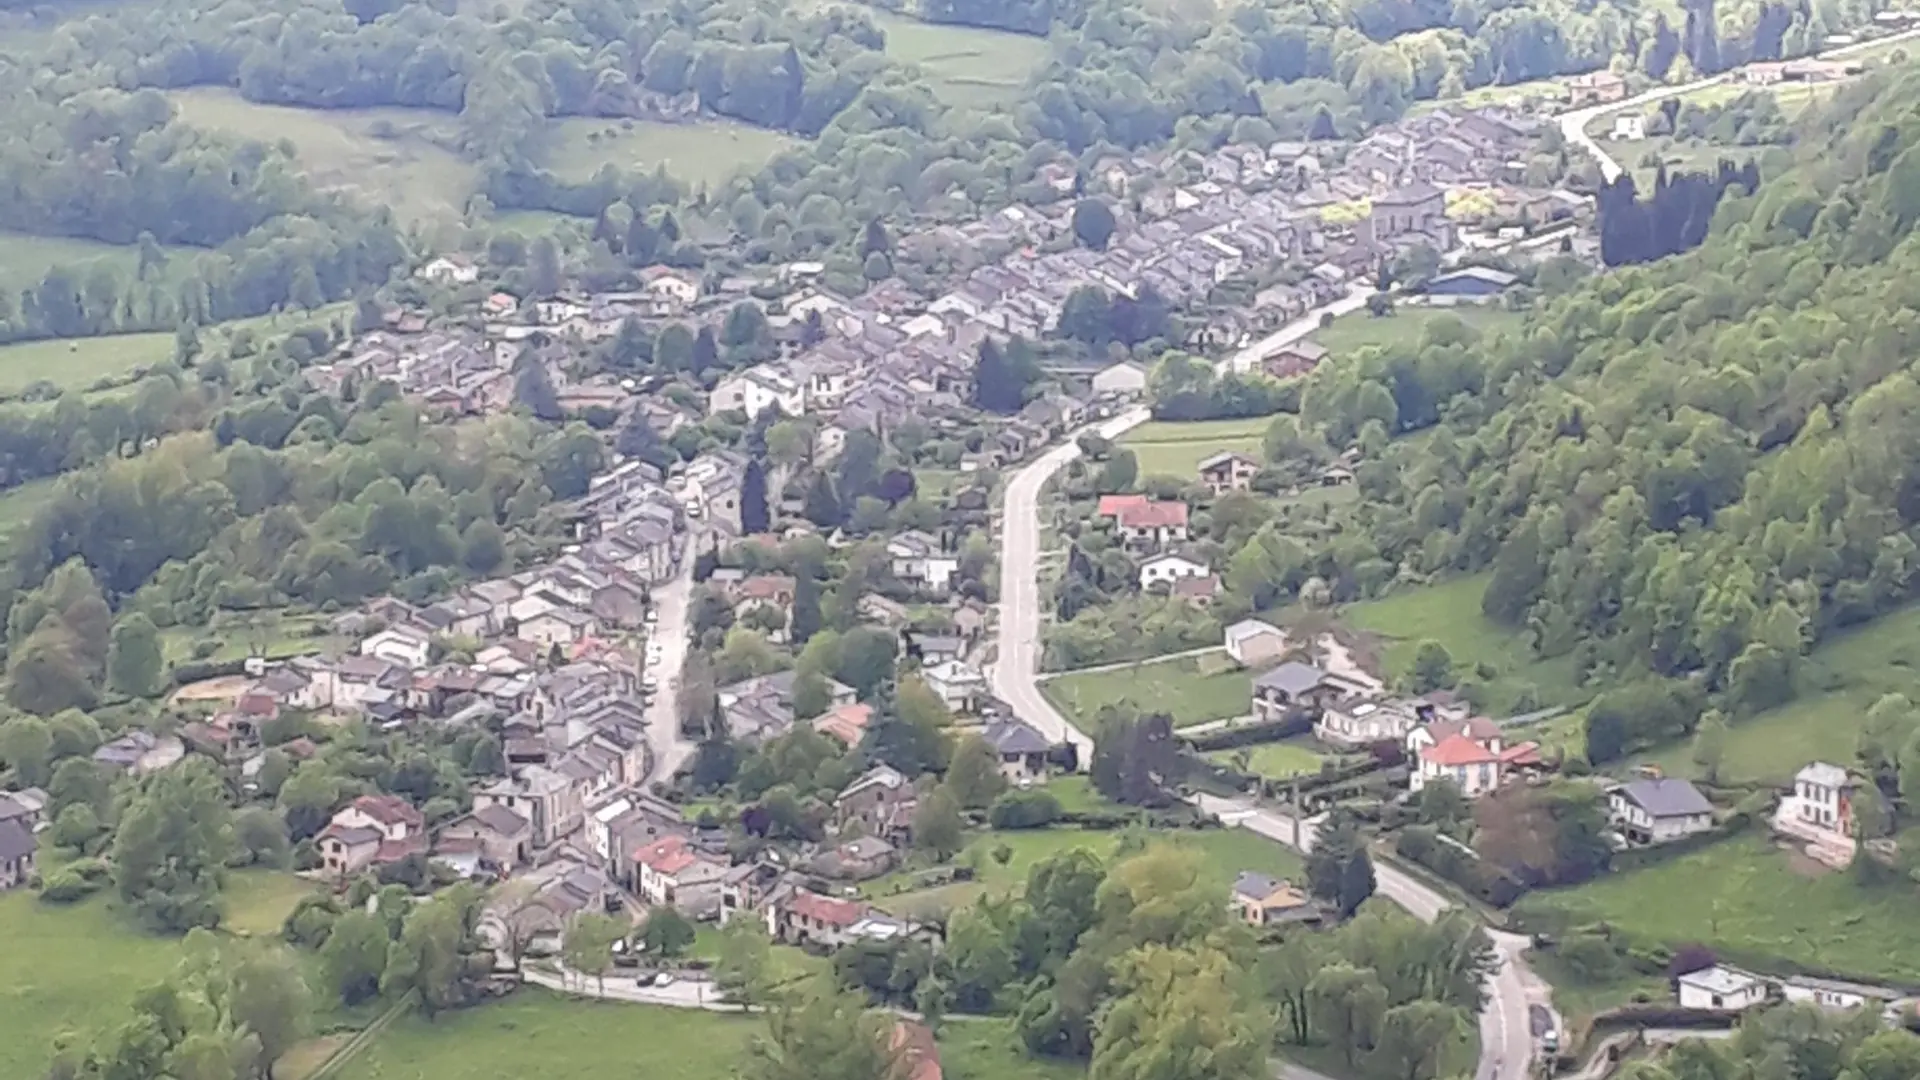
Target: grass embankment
1754, 901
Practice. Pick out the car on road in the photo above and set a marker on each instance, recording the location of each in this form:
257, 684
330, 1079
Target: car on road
653, 616
665, 978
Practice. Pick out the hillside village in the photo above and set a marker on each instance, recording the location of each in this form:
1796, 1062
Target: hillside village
755, 682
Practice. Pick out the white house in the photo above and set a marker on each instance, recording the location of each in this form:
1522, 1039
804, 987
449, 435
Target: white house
756, 390
1167, 568
1474, 768
670, 284
959, 686
399, 644
1628, 127
450, 269
1251, 641
917, 559
1125, 378
1720, 988
1833, 994
561, 626
1654, 811
1364, 721
1819, 810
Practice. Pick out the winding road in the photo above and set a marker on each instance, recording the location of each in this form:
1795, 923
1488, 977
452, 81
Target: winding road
1573, 125
1506, 1041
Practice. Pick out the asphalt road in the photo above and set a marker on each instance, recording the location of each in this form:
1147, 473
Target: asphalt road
1506, 1044
1573, 125
672, 601
1019, 616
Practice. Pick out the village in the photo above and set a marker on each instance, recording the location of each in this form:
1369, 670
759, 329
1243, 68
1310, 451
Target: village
686, 700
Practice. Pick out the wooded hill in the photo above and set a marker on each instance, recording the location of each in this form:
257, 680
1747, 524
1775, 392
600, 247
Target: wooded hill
1697, 467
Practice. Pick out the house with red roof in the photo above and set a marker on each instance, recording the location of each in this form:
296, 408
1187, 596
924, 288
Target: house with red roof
670, 873
372, 830
807, 918
1153, 523
1471, 753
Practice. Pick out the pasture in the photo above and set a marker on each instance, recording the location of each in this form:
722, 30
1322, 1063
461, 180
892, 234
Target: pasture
1407, 325
708, 153
966, 67
398, 158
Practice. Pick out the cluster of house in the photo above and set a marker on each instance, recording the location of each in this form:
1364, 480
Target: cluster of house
1725, 989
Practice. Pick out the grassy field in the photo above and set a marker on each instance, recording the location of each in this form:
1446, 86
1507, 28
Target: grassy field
1403, 328
1851, 672
67, 969
1754, 900
534, 1033
259, 901
25, 259
79, 363
275, 635
19, 504
965, 66
709, 152
1177, 448
386, 157
1192, 689
1275, 761
1449, 613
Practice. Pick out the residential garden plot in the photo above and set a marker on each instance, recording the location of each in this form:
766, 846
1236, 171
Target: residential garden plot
1191, 689
1404, 328
1754, 903
1176, 448
1275, 761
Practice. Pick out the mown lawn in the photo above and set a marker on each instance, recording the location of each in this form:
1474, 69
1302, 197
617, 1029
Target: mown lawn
1840, 682
1753, 902
259, 901
710, 152
67, 969
79, 363
1404, 327
1192, 689
1176, 448
537, 1033
1449, 612
1277, 760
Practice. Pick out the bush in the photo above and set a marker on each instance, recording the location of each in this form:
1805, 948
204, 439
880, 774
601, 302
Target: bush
1297, 723
1034, 809
67, 887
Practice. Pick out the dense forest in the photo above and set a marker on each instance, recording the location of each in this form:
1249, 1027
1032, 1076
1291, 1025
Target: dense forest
1690, 469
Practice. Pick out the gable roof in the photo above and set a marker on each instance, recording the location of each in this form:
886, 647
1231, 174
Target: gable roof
1113, 505
1255, 886
1015, 737
1225, 457
1458, 750
1291, 678
1166, 513
1668, 796
16, 841
826, 909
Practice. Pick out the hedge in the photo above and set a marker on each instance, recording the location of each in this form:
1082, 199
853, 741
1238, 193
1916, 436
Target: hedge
1265, 731
193, 671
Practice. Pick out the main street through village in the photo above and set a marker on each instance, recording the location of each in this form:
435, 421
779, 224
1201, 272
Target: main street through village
1506, 1037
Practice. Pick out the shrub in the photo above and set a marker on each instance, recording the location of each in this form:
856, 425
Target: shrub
1024, 810
67, 887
